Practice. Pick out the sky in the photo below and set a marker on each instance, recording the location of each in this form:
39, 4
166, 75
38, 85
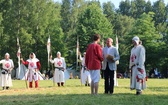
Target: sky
116, 2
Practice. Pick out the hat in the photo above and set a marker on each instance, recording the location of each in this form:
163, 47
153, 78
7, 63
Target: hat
136, 39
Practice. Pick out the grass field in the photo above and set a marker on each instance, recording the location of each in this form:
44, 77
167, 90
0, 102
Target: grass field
73, 93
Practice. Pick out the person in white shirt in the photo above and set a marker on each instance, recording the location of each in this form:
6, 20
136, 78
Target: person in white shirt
60, 66
7, 67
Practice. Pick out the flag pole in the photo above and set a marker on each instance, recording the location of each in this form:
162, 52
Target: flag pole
19, 56
77, 49
117, 62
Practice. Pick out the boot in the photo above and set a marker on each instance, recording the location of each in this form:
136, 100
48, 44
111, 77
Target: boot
58, 84
30, 85
36, 84
62, 83
7, 87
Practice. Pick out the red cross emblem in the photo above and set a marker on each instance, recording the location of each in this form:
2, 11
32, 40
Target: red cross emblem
7, 65
133, 57
59, 63
31, 64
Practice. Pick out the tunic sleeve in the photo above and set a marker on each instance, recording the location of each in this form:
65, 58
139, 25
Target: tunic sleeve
38, 65
25, 62
141, 60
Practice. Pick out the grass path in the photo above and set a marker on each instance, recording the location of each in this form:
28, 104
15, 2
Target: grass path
73, 93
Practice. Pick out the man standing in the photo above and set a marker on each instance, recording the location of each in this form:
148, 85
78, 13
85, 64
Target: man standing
60, 66
110, 55
85, 75
137, 66
93, 61
7, 67
33, 67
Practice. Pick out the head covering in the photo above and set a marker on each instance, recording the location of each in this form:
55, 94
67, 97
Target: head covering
7, 54
136, 39
32, 54
58, 53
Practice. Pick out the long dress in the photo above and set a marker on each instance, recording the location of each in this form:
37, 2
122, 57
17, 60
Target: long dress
5, 78
137, 60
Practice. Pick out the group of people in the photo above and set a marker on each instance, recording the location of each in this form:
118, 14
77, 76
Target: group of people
95, 58
33, 67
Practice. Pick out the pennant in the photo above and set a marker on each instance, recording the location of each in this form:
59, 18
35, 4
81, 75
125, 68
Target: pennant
48, 45
19, 51
117, 42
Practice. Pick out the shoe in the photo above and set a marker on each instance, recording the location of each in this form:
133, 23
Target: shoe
105, 92
7, 88
88, 84
139, 93
3, 88
85, 84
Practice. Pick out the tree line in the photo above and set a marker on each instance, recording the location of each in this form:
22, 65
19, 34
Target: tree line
33, 21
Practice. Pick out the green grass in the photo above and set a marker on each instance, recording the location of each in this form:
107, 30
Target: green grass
73, 93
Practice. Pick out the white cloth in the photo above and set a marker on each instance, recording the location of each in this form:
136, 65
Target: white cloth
59, 74
5, 79
137, 60
95, 75
85, 74
32, 75
32, 65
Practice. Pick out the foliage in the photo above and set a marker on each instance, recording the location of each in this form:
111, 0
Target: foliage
33, 21
92, 21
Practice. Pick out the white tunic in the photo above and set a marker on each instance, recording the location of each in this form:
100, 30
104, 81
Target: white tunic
32, 74
5, 79
137, 60
59, 74
85, 74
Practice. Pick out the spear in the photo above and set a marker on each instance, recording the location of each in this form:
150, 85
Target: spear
19, 57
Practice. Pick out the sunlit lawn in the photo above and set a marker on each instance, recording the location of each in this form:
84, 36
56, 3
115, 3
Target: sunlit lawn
73, 93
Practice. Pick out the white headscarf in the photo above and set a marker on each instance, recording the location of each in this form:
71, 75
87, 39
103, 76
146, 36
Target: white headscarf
58, 53
7, 54
136, 39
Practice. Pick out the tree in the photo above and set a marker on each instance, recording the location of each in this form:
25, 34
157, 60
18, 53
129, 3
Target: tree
109, 11
124, 7
92, 21
159, 9
151, 39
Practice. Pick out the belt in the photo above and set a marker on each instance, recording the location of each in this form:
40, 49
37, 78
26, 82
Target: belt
59, 68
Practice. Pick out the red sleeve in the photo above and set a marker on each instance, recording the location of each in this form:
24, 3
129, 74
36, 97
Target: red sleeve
25, 62
38, 65
99, 52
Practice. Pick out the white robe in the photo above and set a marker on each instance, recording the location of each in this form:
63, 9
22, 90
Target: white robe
137, 60
85, 74
32, 74
5, 79
59, 74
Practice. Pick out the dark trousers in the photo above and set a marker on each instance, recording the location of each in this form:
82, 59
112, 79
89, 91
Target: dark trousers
109, 80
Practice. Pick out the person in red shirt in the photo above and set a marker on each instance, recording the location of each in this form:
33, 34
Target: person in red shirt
93, 61
33, 67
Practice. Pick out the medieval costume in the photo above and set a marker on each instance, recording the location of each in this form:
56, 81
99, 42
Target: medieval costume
85, 75
60, 66
33, 67
7, 66
137, 66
